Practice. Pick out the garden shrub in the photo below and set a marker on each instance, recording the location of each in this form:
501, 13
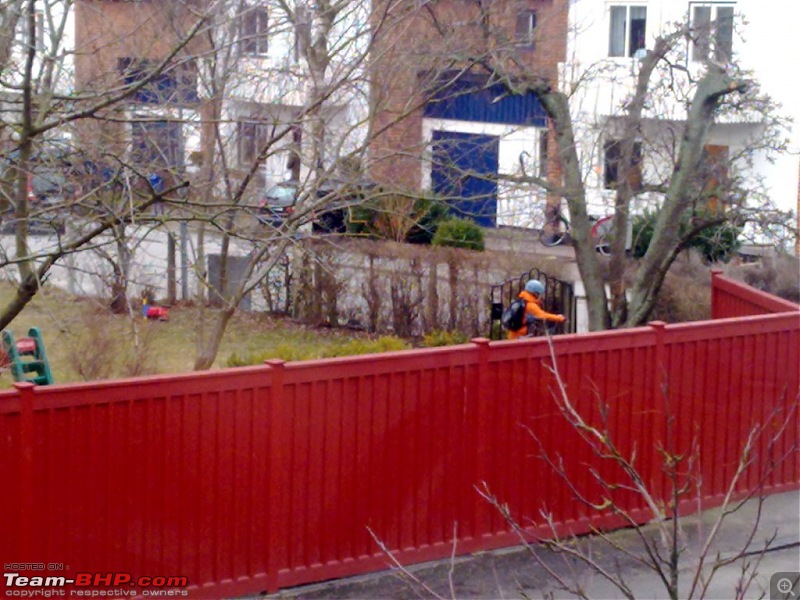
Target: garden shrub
290, 352
439, 337
716, 243
398, 218
386, 343
459, 233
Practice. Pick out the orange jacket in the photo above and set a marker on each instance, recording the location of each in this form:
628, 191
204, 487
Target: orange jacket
533, 307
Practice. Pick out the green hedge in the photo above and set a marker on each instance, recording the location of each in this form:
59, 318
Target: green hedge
715, 243
459, 233
298, 352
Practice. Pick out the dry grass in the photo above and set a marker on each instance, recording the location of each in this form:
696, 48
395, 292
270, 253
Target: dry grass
84, 341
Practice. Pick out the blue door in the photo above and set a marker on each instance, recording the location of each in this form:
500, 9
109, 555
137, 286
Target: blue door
464, 172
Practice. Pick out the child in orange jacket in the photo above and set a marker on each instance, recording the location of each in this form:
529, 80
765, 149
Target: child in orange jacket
532, 294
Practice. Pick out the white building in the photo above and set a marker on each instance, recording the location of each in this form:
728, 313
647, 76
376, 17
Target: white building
273, 87
607, 39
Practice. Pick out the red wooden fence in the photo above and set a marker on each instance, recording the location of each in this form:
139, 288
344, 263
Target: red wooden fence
732, 299
257, 478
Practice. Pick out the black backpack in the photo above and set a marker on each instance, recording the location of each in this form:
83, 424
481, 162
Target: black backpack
514, 316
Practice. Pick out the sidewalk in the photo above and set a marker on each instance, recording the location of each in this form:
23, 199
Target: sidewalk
514, 573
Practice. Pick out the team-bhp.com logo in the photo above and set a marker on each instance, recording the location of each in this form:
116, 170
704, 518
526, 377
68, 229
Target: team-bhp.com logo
94, 585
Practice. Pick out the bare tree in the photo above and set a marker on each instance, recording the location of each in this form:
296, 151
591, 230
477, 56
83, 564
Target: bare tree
324, 46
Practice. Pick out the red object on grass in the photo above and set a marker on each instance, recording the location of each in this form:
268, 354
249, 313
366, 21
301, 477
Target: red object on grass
160, 313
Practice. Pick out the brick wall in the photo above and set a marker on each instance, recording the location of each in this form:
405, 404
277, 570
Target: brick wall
107, 30
411, 41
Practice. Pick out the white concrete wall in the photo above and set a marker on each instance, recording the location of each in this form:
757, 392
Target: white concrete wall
87, 273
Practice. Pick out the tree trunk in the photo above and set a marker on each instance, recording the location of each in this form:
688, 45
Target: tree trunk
557, 106
665, 242
208, 353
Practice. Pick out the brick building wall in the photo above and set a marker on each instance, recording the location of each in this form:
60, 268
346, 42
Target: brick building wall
109, 30
412, 43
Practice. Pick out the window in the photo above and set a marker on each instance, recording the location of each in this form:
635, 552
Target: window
294, 163
712, 27
157, 145
526, 26
22, 32
627, 31
252, 137
613, 157
175, 84
253, 30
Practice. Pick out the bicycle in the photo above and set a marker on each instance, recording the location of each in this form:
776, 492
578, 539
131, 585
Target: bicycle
557, 229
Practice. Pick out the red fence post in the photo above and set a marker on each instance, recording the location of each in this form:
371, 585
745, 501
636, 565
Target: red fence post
277, 464
661, 408
484, 400
27, 475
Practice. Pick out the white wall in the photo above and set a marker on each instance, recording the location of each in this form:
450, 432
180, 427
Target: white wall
86, 273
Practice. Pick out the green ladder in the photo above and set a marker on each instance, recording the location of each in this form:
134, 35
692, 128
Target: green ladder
27, 357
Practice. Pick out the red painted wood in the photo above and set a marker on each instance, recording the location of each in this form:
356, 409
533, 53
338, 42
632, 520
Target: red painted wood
258, 478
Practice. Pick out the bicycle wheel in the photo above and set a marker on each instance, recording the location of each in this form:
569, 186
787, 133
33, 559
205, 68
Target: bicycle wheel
554, 232
601, 235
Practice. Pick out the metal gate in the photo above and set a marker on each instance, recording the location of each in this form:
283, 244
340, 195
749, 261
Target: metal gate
559, 297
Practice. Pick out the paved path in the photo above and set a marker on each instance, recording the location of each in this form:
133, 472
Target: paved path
513, 573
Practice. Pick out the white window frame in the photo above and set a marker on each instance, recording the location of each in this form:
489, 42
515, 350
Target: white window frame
524, 33
628, 43
252, 134
711, 41
254, 30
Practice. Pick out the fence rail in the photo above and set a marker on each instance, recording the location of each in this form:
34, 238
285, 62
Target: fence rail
258, 478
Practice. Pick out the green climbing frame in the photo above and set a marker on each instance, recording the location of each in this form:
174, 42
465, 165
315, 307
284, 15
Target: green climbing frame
27, 357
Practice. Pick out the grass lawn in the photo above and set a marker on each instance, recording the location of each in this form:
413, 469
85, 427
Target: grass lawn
84, 341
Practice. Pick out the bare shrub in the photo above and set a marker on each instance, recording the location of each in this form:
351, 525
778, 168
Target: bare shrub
103, 346
93, 347
304, 307
430, 317
138, 357
328, 287
686, 293
404, 287
407, 298
372, 291
453, 272
275, 286
473, 303
779, 275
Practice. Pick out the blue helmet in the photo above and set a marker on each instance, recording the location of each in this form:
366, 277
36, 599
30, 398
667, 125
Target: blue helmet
535, 287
